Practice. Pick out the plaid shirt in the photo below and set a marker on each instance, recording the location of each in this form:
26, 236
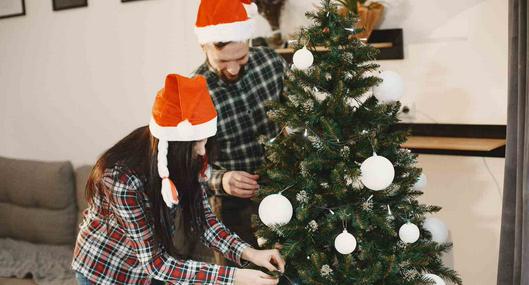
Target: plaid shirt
122, 249
241, 112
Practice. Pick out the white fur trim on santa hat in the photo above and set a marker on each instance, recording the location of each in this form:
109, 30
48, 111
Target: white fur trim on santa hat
230, 32
184, 131
251, 10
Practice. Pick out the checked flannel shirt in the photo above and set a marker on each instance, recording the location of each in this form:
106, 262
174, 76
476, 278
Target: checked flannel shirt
121, 248
241, 112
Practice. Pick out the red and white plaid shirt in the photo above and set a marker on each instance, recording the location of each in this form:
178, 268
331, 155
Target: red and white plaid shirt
120, 247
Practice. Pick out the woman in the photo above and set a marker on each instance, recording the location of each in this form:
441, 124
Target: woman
126, 235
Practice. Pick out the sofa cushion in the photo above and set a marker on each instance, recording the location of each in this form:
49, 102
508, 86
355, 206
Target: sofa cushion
38, 225
36, 184
37, 201
81, 177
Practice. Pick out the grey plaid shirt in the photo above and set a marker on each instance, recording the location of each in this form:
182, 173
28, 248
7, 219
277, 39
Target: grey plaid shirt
241, 112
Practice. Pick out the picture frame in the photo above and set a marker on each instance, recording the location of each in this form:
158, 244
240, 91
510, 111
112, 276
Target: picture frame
12, 8
59, 5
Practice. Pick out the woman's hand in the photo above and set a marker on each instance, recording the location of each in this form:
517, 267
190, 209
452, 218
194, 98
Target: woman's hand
270, 259
253, 277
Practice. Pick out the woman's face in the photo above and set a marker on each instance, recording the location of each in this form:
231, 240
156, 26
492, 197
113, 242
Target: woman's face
199, 149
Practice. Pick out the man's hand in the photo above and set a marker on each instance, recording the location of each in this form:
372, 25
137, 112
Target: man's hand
240, 184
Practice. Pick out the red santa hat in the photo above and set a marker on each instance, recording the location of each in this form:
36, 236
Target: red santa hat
225, 21
182, 111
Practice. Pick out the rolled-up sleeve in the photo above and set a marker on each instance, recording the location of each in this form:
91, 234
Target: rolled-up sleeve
218, 237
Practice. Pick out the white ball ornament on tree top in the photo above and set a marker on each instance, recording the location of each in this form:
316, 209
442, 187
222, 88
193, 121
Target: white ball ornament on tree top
437, 228
434, 278
421, 183
303, 59
409, 233
275, 210
391, 89
377, 173
345, 243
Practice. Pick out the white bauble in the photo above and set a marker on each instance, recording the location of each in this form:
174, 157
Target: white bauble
345, 243
421, 183
391, 89
437, 228
377, 173
434, 278
275, 210
303, 58
409, 233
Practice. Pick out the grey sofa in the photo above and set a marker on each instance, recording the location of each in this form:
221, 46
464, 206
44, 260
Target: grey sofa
40, 203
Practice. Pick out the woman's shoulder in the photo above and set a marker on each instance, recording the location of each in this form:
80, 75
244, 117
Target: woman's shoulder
120, 176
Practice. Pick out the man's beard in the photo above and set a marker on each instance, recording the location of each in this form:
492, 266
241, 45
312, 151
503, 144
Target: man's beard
234, 79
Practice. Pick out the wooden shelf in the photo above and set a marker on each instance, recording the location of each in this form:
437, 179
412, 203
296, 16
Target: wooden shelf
388, 42
325, 49
380, 38
452, 143
455, 139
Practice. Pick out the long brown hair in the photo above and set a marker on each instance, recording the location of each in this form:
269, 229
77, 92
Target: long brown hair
138, 153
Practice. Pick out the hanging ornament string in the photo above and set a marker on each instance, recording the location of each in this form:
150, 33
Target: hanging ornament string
288, 187
277, 136
372, 140
328, 209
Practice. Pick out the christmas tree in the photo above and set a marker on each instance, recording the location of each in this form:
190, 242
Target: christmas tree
338, 191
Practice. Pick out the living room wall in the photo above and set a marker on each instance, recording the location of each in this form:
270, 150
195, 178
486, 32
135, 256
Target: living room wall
73, 82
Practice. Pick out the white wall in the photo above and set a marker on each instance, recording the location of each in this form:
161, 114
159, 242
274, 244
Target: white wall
466, 189
73, 82
62, 68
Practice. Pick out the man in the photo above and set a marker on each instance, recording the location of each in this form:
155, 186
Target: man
240, 79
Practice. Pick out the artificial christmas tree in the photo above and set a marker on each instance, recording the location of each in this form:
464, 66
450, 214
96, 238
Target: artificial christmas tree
343, 205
